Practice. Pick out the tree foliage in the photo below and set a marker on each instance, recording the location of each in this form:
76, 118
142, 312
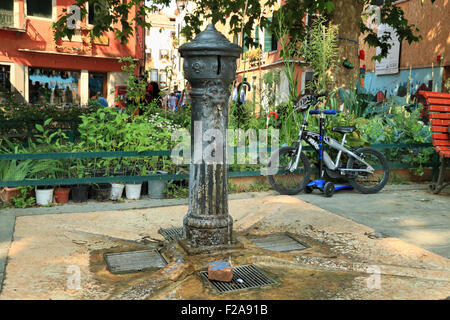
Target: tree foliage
242, 16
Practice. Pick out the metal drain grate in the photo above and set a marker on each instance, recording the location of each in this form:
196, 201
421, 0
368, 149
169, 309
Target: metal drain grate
278, 242
244, 277
171, 234
134, 261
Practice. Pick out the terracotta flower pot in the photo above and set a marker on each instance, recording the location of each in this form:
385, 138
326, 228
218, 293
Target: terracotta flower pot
62, 195
6, 194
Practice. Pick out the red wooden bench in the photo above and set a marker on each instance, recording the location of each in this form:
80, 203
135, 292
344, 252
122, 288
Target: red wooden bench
438, 105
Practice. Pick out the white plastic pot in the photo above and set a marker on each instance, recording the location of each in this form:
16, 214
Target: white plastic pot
156, 188
116, 191
133, 191
44, 197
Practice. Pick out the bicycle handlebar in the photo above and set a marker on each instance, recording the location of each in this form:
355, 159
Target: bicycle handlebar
323, 111
304, 103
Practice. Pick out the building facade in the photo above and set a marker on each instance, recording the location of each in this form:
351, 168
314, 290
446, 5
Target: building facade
160, 56
409, 67
63, 71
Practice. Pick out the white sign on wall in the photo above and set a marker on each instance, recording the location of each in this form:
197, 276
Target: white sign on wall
390, 64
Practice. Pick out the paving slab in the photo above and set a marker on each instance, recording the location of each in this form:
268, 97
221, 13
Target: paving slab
6, 234
410, 213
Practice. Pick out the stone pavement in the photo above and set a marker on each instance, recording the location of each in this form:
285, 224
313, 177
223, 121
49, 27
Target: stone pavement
407, 212
343, 255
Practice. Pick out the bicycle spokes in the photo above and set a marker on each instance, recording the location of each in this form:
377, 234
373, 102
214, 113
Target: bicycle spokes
367, 178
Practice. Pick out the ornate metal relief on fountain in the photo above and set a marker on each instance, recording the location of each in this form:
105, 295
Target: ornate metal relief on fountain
210, 67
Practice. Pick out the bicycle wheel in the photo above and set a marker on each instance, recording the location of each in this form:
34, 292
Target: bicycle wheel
366, 182
284, 181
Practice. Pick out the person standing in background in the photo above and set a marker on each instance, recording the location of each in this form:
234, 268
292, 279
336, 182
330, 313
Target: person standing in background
103, 102
235, 92
172, 102
178, 96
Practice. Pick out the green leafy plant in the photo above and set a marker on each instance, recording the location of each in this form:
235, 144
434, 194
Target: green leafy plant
23, 200
14, 170
177, 191
136, 86
48, 140
321, 53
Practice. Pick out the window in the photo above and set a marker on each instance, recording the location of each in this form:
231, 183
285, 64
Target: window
91, 12
5, 84
164, 54
40, 8
162, 76
97, 84
148, 55
154, 75
236, 38
52, 86
6, 13
274, 43
270, 40
6, 5
309, 78
97, 9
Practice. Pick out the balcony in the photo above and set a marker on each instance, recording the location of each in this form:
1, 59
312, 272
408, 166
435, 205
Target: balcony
6, 18
7, 22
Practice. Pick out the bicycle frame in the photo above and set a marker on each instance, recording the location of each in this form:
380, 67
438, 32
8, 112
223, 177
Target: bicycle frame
317, 142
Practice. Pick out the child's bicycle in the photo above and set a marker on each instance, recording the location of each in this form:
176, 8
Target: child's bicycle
289, 169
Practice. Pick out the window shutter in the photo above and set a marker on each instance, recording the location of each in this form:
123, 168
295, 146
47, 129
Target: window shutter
244, 43
267, 39
257, 37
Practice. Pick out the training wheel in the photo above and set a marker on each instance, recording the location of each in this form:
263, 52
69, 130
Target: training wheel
328, 189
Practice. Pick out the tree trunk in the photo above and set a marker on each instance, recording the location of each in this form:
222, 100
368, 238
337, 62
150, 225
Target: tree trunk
347, 15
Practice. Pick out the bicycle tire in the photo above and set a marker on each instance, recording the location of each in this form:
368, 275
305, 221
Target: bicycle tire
351, 164
298, 187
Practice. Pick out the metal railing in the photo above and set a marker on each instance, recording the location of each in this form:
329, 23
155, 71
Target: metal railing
168, 177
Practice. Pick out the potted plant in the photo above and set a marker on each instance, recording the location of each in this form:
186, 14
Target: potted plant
157, 188
101, 191
46, 169
49, 140
117, 188
62, 192
12, 170
79, 191
133, 189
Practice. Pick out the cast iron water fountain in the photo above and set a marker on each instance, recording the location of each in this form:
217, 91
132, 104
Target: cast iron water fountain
210, 67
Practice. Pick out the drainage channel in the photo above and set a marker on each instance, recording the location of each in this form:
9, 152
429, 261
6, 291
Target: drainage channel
244, 277
134, 261
172, 234
278, 242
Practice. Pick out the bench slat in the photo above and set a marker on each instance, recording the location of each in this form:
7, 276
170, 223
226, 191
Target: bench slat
441, 143
437, 122
439, 129
441, 136
431, 94
439, 108
439, 101
442, 115
443, 151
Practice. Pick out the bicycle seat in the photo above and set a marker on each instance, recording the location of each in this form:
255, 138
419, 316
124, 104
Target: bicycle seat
344, 129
